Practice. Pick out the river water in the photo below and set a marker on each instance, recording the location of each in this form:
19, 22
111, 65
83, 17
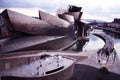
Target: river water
95, 43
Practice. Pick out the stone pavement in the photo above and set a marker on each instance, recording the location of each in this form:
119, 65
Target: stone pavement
89, 69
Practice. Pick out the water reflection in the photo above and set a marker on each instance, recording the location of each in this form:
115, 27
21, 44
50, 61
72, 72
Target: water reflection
95, 43
80, 44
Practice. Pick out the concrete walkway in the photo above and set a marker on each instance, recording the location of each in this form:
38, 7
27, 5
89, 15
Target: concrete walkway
89, 69
108, 41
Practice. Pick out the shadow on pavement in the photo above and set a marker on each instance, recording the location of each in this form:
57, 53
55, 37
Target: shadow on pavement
86, 72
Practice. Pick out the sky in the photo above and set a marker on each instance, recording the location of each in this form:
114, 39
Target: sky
105, 10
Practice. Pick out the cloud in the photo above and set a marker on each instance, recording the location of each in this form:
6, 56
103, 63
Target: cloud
14, 3
108, 9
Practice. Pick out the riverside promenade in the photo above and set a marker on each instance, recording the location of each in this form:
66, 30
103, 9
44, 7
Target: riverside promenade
90, 69
87, 66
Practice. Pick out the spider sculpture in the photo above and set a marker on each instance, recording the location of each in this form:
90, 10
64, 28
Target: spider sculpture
105, 53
